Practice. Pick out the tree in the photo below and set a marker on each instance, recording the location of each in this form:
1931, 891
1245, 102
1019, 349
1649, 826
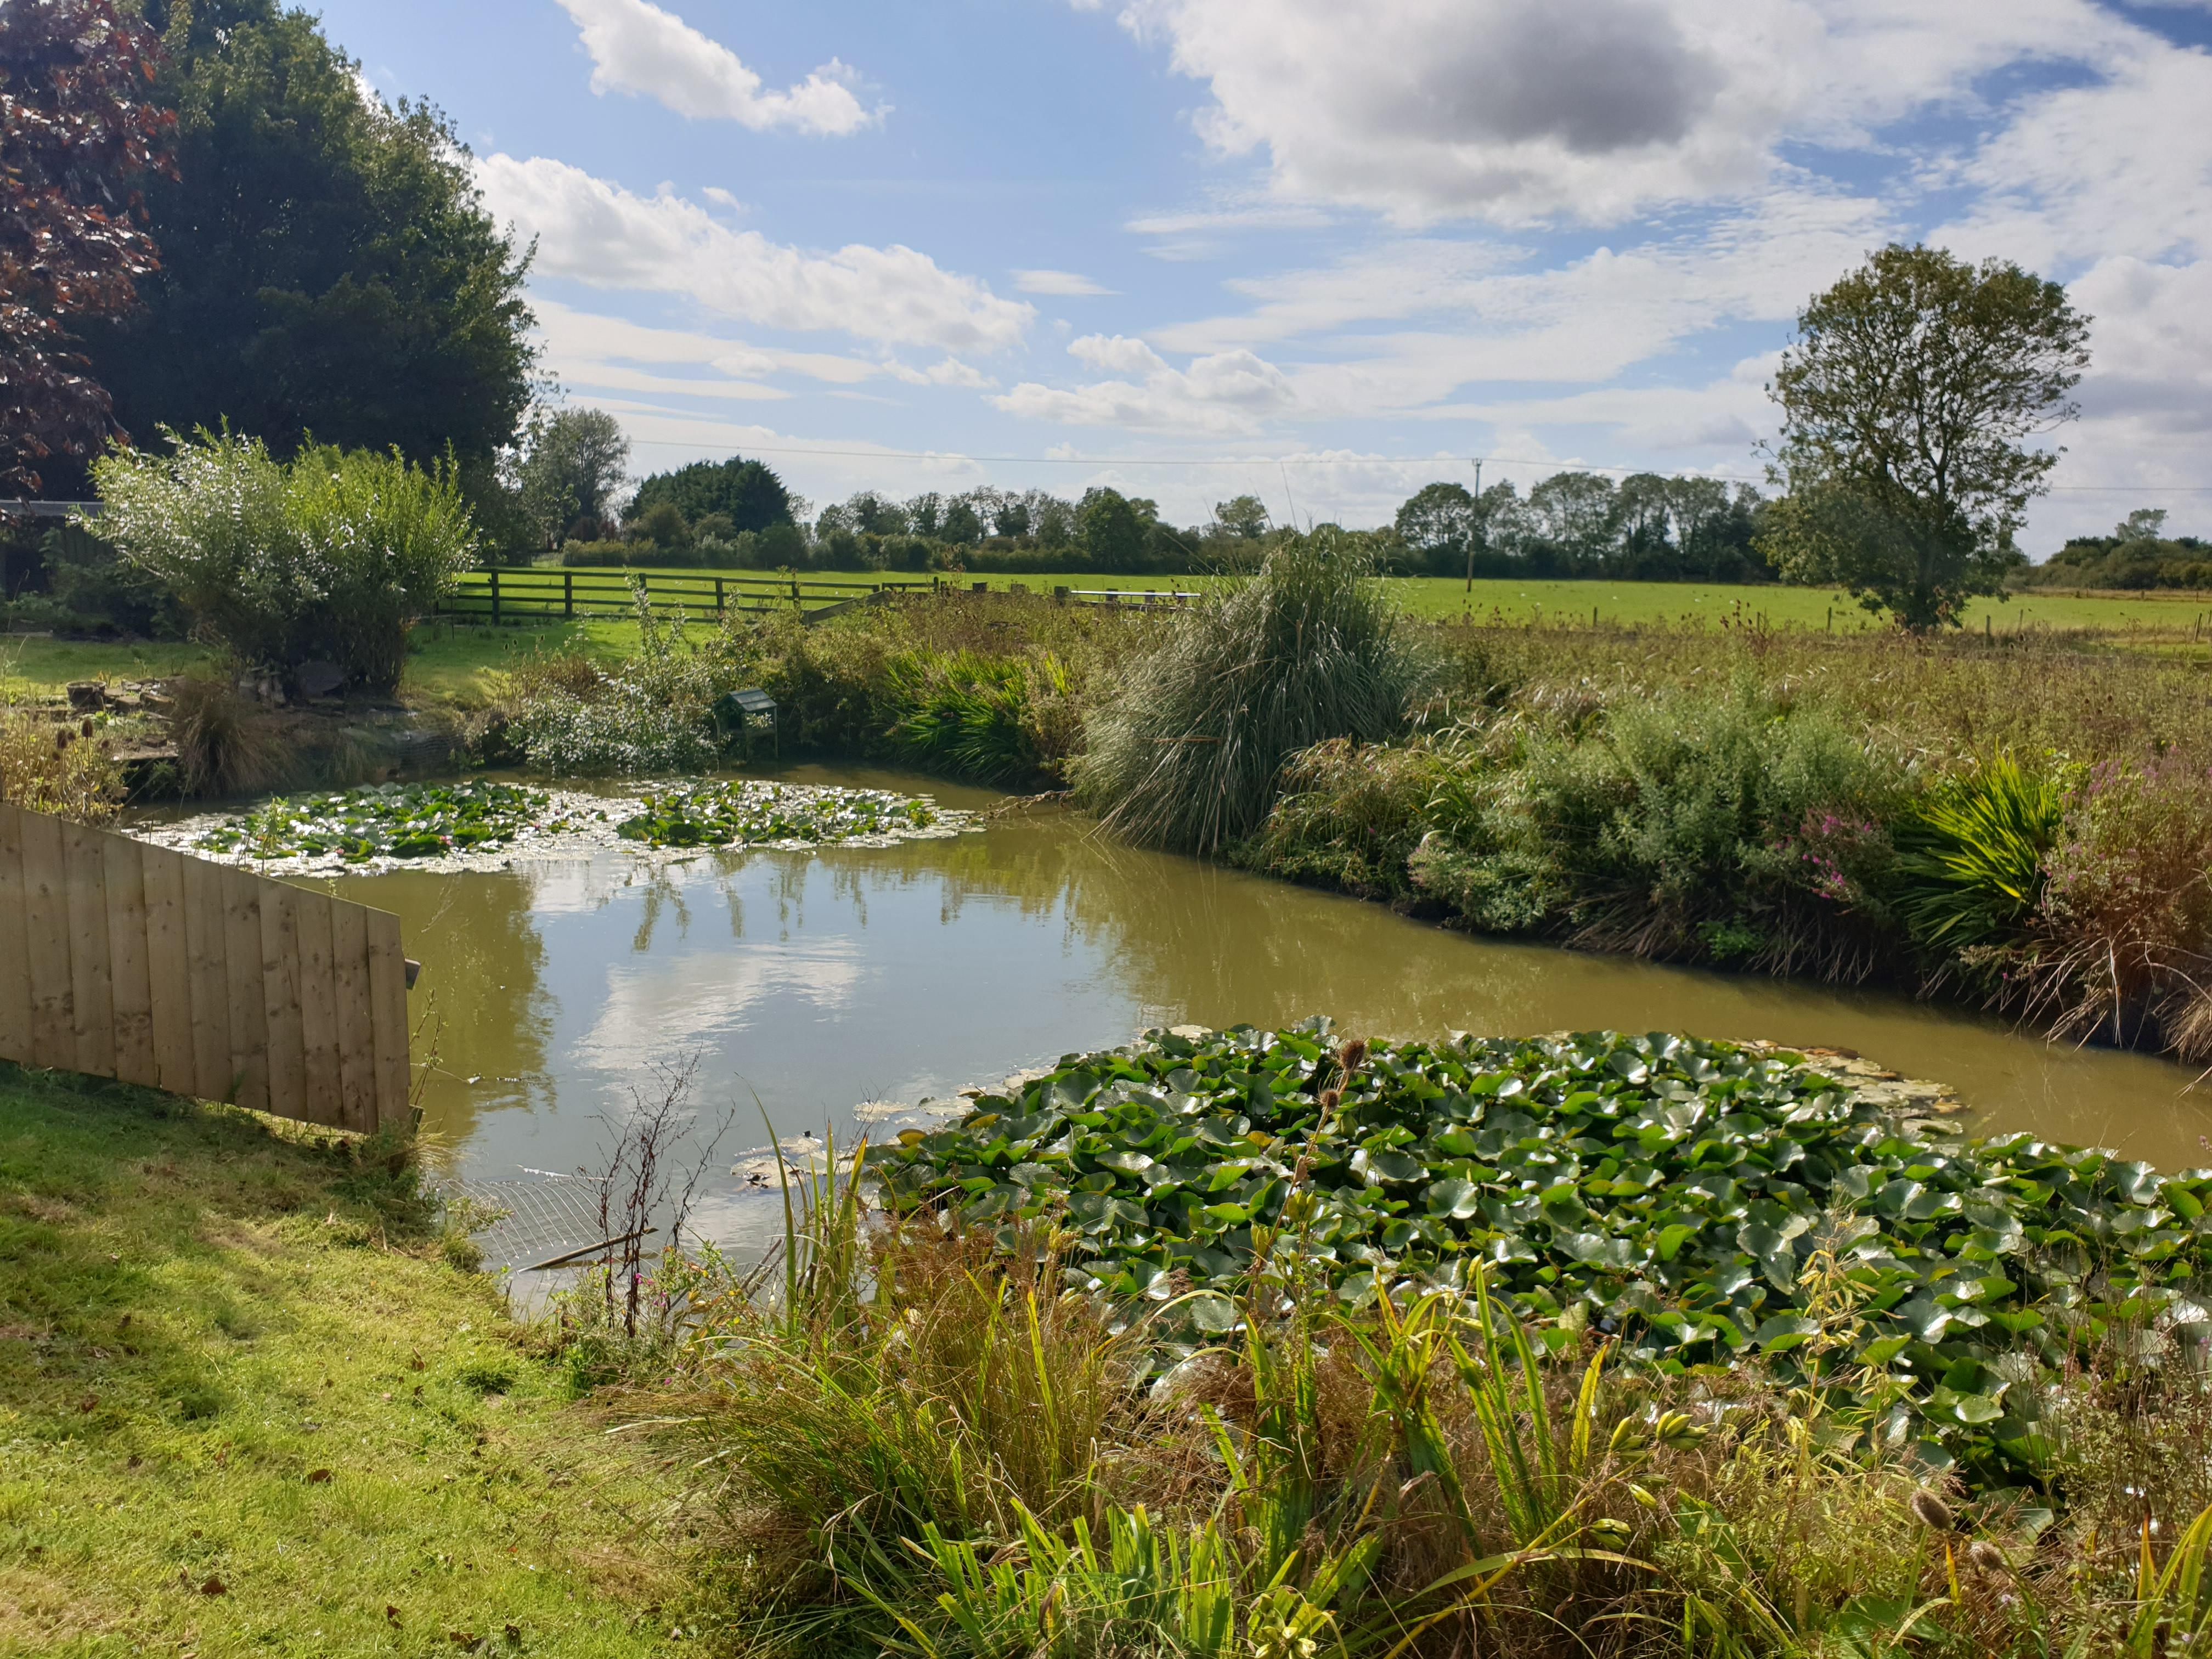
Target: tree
1574, 513
328, 265
78, 138
1245, 516
1907, 398
1109, 530
962, 523
573, 465
2145, 523
1439, 522
748, 493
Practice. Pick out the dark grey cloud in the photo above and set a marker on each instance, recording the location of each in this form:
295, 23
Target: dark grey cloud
1594, 75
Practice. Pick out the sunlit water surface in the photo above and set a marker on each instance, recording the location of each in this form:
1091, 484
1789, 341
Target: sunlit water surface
806, 983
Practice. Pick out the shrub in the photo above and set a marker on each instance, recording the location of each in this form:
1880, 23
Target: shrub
1742, 826
650, 712
1187, 749
331, 556
1351, 815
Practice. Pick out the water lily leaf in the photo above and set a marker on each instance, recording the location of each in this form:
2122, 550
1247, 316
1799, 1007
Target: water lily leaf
1784, 1332
1459, 1200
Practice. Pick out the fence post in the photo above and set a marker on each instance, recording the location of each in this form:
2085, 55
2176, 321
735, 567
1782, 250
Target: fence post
718, 598
568, 595
495, 596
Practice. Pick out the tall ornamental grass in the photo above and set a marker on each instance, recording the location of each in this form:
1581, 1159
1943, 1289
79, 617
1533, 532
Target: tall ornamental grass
330, 556
1187, 752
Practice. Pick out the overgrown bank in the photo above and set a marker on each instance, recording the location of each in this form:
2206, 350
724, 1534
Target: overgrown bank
248, 1406
1256, 1344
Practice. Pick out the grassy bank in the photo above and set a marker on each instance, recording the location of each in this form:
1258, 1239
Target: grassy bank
247, 1407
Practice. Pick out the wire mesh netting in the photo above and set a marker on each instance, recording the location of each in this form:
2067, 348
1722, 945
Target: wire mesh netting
523, 1222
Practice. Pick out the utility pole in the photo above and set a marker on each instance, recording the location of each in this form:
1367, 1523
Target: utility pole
1470, 534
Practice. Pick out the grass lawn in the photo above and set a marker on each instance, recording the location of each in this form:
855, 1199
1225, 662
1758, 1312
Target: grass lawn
246, 1408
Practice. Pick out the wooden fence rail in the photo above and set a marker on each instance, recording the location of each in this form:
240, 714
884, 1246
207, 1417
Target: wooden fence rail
131, 961
537, 595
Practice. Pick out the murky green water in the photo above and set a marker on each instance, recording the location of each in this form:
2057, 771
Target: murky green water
810, 981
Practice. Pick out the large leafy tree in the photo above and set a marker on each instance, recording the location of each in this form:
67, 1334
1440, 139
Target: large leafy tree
79, 138
747, 493
573, 464
328, 267
1907, 400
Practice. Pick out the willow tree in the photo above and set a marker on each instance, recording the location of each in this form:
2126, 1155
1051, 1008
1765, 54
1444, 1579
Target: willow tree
1909, 400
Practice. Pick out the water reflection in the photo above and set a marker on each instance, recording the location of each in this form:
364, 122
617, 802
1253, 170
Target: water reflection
810, 981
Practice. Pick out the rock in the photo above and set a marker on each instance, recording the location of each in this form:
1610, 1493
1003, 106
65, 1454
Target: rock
86, 697
319, 680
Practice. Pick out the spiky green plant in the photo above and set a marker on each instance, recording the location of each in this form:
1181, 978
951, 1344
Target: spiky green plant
1970, 865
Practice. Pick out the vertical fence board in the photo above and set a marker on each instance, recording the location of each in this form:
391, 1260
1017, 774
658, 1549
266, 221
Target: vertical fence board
280, 984
46, 940
14, 945
168, 968
243, 896
131, 984
204, 949
319, 1010
92, 996
356, 1038
123, 959
387, 994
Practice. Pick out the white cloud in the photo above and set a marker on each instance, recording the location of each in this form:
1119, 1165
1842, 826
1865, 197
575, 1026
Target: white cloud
1067, 283
600, 234
1230, 391
638, 48
1524, 111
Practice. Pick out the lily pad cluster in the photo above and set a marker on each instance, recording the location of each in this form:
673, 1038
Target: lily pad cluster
391, 821
727, 813
1704, 1202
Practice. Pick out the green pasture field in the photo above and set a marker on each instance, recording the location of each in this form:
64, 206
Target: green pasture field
1438, 599
453, 660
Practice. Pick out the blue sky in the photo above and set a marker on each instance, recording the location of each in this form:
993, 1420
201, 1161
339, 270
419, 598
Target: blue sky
1318, 251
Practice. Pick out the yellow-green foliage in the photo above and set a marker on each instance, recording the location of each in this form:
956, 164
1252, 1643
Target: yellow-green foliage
64, 769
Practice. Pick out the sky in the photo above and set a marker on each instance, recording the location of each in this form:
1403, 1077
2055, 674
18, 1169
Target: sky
1317, 252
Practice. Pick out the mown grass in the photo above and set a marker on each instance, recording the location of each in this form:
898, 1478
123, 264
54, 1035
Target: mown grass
247, 1408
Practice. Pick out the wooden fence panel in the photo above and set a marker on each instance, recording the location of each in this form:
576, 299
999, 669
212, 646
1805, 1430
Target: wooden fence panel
14, 944
45, 926
130, 984
127, 960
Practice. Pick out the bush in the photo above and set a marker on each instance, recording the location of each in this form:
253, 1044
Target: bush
1741, 827
650, 712
1187, 751
331, 556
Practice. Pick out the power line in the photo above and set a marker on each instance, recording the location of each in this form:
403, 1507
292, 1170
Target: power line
1292, 460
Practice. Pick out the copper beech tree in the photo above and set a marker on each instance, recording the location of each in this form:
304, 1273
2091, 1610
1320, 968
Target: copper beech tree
77, 129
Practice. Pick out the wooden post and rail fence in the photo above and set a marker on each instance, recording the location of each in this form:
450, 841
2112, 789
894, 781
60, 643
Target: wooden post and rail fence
126, 960
524, 594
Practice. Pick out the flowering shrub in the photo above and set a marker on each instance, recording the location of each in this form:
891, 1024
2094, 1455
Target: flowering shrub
331, 556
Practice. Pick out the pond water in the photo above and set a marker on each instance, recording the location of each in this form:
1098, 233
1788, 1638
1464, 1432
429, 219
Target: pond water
806, 982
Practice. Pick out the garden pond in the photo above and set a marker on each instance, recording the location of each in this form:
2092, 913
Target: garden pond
830, 989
